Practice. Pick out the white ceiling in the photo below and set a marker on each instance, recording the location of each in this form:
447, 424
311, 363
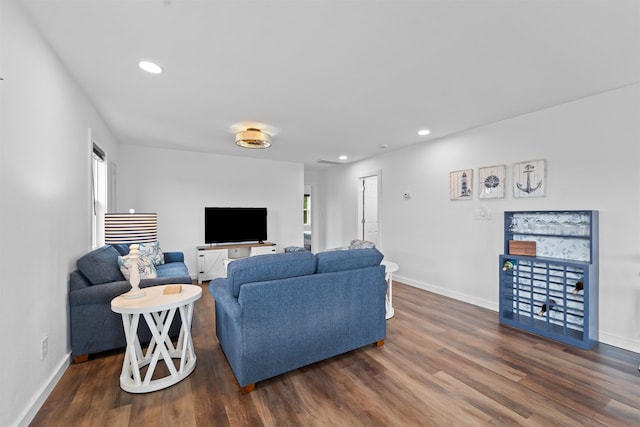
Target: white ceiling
335, 76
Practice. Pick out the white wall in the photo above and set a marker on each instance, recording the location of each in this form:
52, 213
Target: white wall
179, 184
45, 216
592, 151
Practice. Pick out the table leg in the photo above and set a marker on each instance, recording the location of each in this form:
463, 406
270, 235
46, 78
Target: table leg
389, 300
163, 324
160, 320
133, 352
185, 342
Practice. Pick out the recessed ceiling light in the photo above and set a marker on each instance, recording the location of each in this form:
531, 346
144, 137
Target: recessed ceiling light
150, 67
423, 132
343, 157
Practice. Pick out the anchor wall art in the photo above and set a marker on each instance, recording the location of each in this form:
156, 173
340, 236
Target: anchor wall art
461, 184
529, 179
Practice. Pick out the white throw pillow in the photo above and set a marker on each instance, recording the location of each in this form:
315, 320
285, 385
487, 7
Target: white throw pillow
145, 267
361, 244
153, 251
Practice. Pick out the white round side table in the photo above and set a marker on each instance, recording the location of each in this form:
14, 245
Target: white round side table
158, 310
389, 269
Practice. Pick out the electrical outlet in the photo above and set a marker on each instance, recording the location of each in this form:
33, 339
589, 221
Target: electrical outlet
44, 347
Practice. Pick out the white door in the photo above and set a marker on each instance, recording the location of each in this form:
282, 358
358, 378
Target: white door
368, 209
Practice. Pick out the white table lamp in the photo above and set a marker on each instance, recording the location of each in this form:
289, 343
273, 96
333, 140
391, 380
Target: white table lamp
131, 229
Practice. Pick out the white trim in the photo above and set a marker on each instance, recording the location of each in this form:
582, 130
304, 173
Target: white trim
448, 293
378, 175
620, 342
38, 400
89, 181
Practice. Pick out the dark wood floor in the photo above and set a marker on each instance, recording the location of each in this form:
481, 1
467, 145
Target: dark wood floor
444, 363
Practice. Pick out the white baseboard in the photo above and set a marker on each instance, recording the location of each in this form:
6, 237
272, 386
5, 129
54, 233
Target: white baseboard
604, 338
616, 341
38, 400
448, 293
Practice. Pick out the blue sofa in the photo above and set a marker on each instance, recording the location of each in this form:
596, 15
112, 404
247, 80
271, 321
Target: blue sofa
97, 280
279, 312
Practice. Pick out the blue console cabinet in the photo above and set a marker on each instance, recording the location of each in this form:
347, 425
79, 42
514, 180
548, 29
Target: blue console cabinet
554, 293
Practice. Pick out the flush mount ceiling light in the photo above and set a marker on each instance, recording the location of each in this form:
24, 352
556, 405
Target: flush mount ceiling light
150, 67
253, 138
423, 132
250, 134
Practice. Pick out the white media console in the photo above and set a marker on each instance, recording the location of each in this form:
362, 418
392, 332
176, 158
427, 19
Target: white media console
213, 259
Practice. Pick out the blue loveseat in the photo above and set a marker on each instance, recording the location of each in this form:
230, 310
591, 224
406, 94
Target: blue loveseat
279, 312
97, 280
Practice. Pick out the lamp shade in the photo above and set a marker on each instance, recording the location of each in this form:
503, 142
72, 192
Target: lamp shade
128, 228
253, 138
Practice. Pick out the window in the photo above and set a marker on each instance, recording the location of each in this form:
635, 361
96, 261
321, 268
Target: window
306, 210
98, 195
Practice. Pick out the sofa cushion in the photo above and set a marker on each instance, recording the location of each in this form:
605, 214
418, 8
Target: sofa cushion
349, 259
153, 251
268, 267
100, 265
122, 248
145, 267
171, 257
172, 269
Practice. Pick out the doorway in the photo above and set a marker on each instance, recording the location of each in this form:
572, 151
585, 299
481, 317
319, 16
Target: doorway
368, 207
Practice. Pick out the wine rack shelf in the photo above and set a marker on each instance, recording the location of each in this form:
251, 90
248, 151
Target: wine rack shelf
553, 296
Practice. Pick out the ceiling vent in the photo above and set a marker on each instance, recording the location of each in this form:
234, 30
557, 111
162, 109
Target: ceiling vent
329, 162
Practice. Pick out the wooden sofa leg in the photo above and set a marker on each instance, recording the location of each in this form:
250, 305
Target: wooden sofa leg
81, 359
379, 343
248, 388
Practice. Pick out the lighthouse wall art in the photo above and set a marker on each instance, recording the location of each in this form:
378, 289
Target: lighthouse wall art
461, 184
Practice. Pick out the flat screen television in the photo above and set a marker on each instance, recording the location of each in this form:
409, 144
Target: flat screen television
232, 225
